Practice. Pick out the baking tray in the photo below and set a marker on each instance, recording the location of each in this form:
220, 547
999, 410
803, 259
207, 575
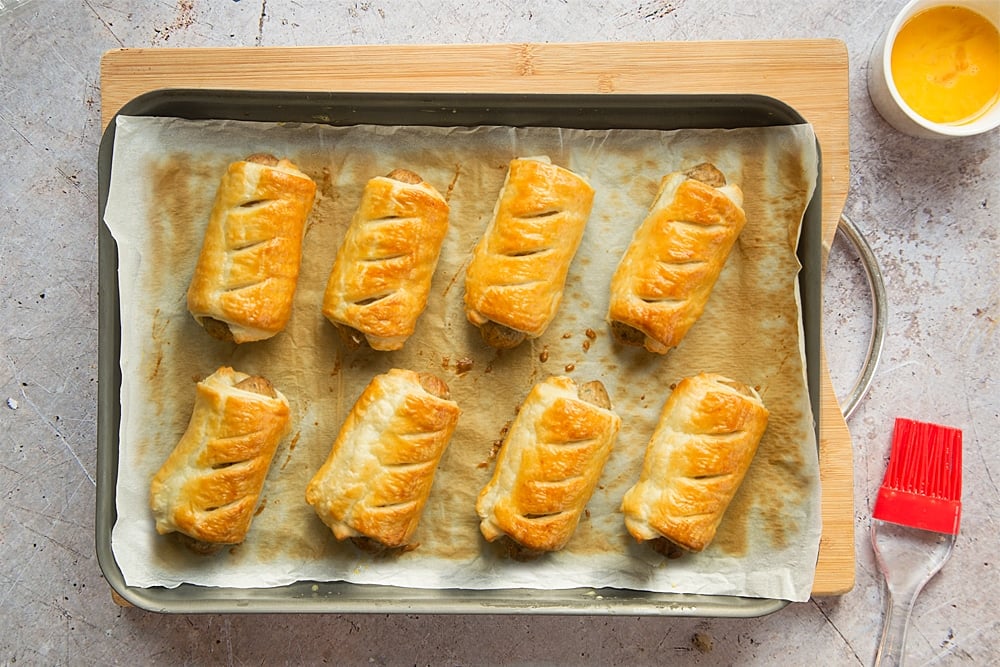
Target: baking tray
655, 112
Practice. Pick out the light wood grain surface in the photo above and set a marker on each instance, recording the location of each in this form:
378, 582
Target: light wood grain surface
809, 75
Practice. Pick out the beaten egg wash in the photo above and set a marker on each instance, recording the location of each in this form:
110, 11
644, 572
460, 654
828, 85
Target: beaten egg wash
946, 64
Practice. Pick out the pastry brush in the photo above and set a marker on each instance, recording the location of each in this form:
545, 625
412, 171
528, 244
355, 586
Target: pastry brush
915, 521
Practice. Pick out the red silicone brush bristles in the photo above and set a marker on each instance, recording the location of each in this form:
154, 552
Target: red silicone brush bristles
923, 482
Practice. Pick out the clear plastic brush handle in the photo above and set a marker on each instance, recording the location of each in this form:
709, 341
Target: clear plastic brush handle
908, 558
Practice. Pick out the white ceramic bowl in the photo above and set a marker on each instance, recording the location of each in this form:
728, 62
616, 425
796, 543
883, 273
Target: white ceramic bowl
885, 96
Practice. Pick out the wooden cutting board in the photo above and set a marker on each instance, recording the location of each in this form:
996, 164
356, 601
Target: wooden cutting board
809, 75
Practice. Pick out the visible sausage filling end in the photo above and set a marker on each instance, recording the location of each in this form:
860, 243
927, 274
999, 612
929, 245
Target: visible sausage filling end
708, 174
595, 393
265, 159
217, 329
499, 336
257, 385
626, 334
667, 548
198, 546
376, 548
351, 337
517, 551
405, 176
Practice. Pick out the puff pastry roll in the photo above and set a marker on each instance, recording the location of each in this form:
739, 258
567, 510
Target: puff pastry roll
515, 281
548, 466
208, 487
248, 267
380, 280
663, 281
695, 461
375, 482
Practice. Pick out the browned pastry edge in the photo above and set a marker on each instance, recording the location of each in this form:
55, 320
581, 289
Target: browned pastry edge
434, 386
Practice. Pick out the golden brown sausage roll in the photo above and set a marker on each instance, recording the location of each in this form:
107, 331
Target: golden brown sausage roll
376, 480
515, 280
382, 275
663, 281
208, 487
695, 461
548, 466
248, 267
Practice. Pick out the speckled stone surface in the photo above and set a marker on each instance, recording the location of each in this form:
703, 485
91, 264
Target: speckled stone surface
928, 209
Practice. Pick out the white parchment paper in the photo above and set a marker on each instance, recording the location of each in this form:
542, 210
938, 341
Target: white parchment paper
164, 175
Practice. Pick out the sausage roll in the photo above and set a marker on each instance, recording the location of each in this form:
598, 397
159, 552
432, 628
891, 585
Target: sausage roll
375, 482
515, 281
548, 466
248, 267
209, 485
380, 280
663, 281
695, 461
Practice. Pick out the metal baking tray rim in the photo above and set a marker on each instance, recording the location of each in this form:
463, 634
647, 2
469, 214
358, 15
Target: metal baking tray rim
585, 111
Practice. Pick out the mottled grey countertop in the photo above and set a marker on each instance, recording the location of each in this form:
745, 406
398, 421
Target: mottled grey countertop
928, 209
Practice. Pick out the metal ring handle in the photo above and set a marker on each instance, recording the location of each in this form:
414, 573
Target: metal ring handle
880, 315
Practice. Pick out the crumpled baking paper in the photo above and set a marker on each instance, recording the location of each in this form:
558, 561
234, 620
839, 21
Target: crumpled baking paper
164, 176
